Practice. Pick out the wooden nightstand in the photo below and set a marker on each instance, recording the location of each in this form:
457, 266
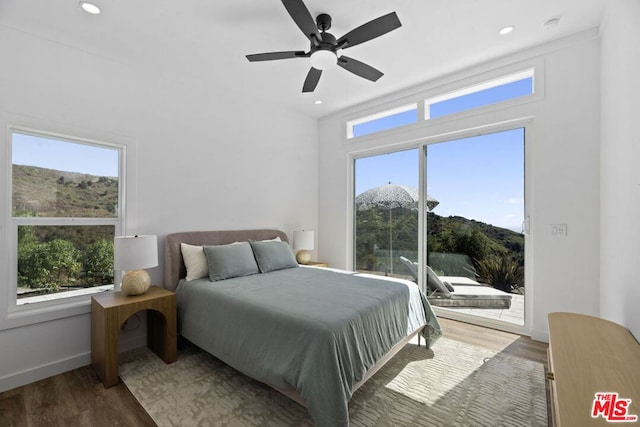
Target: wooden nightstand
108, 313
317, 264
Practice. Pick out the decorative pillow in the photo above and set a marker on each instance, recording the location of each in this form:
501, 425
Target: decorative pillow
227, 261
195, 261
435, 284
273, 255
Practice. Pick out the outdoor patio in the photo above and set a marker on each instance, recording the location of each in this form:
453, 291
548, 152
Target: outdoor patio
515, 314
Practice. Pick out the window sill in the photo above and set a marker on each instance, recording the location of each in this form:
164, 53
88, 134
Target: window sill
45, 308
64, 295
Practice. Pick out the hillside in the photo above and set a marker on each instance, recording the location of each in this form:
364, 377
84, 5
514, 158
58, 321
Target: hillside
52, 193
499, 240
452, 234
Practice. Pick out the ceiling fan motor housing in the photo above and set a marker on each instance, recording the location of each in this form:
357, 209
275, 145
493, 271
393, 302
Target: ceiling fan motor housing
328, 42
323, 21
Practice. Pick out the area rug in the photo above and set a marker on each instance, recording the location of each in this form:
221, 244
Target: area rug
452, 384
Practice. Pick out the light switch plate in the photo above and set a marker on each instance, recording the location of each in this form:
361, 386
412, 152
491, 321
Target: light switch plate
559, 230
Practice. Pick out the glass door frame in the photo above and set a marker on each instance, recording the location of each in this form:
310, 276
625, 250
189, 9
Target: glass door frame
527, 125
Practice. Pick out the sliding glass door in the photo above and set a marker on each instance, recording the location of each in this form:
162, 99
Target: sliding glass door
474, 237
473, 212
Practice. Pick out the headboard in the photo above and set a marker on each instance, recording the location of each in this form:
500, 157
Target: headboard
174, 268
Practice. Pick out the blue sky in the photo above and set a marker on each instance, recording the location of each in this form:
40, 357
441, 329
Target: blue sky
480, 178
64, 156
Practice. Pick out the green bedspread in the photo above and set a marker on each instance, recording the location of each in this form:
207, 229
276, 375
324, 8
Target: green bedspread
314, 330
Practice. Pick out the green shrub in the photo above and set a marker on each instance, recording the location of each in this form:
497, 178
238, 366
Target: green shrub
501, 272
48, 265
98, 263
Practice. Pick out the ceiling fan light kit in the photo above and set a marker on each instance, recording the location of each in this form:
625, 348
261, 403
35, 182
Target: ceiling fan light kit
323, 59
323, 51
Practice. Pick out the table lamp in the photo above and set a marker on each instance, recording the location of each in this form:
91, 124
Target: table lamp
133, 254
303, 243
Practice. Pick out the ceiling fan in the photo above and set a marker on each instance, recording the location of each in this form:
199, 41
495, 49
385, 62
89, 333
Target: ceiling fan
323, 52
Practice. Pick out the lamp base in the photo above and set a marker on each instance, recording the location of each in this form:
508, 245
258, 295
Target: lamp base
303, 257
135, 282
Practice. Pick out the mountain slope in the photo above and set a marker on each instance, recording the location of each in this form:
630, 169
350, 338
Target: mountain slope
52, 193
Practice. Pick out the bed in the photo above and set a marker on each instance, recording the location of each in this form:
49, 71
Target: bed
314, 334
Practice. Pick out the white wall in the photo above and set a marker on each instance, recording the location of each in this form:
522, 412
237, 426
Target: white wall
620, 156
563, 182
200, 157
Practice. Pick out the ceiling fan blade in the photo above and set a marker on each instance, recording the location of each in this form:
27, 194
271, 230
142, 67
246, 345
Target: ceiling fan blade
359, 68
270, 56
370, 30
302, 18
312, 79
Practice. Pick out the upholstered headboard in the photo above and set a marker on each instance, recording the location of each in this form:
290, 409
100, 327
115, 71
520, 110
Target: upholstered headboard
174, 268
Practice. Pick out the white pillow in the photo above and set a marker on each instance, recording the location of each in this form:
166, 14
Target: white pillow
195, 261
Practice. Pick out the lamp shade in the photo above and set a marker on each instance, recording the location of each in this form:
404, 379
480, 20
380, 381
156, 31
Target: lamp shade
135, 252
303, 240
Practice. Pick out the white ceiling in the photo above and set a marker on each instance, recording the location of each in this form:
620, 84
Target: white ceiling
206, 40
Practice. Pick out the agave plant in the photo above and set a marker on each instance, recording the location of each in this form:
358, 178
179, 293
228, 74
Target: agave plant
501, 272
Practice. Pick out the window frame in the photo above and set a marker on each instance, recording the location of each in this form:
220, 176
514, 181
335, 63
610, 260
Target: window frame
64, 306
351, 124
437, 90
479, 87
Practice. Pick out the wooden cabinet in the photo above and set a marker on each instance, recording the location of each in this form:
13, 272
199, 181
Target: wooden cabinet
110, 310
587, 356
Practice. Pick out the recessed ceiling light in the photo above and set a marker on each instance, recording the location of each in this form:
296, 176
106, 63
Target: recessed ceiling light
90, 8
506, 30
318, 101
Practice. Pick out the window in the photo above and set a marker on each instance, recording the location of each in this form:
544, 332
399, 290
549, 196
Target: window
490, 92
385, 120
66, 204
494, 91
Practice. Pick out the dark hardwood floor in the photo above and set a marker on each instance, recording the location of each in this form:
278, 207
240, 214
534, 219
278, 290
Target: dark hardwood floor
74, 398
77, 398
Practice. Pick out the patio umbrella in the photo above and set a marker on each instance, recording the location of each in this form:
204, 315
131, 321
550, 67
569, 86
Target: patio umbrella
391, 196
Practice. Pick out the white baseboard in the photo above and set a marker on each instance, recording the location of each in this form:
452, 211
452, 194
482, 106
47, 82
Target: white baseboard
44, 371
28, 376
540, 336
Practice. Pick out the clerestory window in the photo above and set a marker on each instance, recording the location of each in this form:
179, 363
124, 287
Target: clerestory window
489, 92
384, 120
